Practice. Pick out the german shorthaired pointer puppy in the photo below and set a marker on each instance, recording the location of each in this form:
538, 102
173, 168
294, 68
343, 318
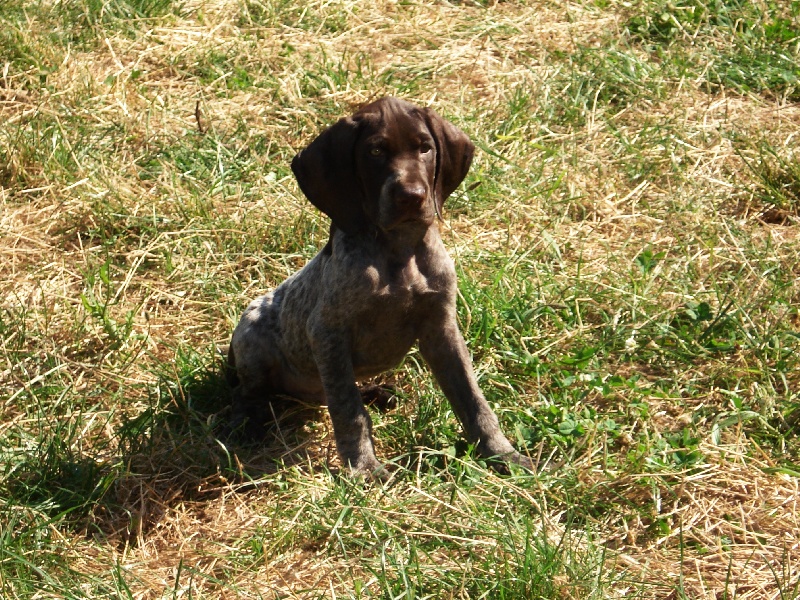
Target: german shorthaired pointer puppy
382, 282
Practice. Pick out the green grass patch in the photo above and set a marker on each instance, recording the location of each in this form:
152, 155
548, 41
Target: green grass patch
759, 53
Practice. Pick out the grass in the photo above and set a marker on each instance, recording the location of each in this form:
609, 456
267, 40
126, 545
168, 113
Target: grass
626, 241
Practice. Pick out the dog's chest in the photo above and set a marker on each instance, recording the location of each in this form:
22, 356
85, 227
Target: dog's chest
397, 309
402, 285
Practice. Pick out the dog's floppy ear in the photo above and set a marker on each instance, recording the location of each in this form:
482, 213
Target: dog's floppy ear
326, 173
454, 153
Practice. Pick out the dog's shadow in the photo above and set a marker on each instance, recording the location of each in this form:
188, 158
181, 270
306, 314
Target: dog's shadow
180, 450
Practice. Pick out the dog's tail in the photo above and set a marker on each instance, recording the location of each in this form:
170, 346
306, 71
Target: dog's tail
230, 366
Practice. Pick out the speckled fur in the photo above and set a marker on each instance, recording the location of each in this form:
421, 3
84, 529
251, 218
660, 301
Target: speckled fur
383, 282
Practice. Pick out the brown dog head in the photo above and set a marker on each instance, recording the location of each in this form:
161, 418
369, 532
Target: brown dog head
389, 164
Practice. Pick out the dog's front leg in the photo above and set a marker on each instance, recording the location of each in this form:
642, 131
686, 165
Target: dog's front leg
444, 349
352, 426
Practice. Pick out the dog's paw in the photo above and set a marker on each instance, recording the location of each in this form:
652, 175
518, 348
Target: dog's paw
248, 421
368, 469
244, 428
520, 460
381, 397
539, 464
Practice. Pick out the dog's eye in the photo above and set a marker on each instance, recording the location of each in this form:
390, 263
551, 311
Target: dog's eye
376, 151
425, 148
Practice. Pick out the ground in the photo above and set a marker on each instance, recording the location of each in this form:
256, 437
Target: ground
627, 247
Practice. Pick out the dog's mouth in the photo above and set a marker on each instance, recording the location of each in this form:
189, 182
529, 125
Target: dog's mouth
404, 206
397, 217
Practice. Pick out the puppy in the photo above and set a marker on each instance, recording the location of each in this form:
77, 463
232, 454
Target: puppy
382, 283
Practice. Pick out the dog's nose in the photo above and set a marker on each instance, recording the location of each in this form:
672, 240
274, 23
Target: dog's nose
412, 194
